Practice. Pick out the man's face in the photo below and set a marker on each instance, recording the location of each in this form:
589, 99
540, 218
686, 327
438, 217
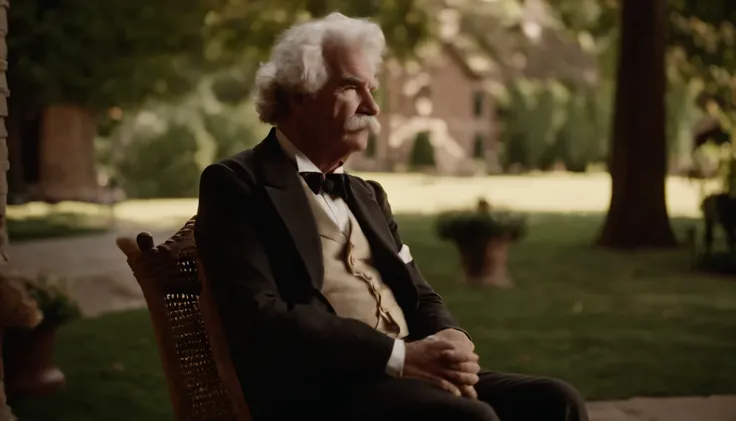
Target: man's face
343, 113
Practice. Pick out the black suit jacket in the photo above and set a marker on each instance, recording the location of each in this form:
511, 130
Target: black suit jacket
260, 250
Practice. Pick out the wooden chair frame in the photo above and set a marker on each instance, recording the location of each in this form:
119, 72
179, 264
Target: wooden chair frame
193, 349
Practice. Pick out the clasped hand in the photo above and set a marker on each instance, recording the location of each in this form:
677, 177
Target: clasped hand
446, 359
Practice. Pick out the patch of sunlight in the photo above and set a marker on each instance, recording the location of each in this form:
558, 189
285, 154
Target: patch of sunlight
152, 214
38, 209
168, 211
543, 192
422, 194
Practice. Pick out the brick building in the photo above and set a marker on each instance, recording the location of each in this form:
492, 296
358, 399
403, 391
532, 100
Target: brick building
444, 98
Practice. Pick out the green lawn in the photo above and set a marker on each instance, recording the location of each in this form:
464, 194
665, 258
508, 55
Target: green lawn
616, 325
23, 228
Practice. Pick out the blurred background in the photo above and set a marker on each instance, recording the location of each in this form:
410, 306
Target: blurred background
590, 140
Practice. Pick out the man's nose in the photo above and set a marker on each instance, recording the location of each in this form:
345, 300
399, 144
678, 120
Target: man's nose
370, 106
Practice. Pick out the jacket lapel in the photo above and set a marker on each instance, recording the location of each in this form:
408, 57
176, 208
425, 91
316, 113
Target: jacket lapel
284, 188
369, 215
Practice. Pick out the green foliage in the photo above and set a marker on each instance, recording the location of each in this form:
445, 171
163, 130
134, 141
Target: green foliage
580, 141
161, 150
161, 165
101, 54
229, 133
422, 153
105, 54
479, 226
701, 38
233, 86
526, 123
597, 17
683, 114
53, 301
478, 146
546, 122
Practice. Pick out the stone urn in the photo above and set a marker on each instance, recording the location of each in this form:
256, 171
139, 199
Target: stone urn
17, 309
482, 237
30, 370
485, 263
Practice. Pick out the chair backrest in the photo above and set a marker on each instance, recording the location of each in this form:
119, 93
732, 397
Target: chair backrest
193, 349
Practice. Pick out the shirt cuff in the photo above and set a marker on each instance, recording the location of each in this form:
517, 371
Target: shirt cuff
395, 365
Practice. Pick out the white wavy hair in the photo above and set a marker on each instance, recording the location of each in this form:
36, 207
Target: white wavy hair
297, 64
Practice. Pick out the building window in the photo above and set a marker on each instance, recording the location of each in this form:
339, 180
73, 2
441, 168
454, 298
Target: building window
425, 92
478, 99
479, 146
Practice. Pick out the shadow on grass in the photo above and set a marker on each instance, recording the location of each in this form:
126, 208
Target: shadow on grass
614, 324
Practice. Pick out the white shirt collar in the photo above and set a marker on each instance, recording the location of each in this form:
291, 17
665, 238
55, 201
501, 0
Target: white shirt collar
303, 164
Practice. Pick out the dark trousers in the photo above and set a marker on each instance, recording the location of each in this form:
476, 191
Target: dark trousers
501, 397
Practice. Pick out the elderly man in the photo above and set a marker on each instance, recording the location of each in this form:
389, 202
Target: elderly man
326, 313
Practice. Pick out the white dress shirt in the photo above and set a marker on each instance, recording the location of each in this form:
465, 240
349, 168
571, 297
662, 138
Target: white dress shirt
338, 210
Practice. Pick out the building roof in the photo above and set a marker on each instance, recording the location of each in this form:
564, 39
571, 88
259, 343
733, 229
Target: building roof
486, 47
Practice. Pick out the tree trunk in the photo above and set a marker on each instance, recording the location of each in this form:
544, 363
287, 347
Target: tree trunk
21, 141
637, 216
67, 168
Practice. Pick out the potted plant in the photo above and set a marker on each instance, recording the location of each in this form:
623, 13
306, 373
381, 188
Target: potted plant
482, 237
29, 353
17, 309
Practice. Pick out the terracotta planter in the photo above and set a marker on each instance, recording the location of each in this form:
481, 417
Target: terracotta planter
5, 413
484, 263
30, 370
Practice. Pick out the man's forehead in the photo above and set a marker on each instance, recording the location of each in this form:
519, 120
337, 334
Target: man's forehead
350, 65
352, 79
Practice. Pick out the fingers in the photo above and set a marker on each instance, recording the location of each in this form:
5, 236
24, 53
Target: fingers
466, 367
439, 344
435, 340
446, 384
469, 392
455, 356
461, 378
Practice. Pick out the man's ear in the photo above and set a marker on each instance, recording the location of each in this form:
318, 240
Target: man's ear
297, 100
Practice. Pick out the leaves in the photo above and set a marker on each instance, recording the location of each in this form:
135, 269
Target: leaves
701, 37
105, 54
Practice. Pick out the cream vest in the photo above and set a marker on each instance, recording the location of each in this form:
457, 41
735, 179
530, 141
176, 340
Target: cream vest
352, 284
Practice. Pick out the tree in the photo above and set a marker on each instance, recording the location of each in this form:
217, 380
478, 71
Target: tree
74, 61
637, 216
422, 152
692, 38
100, 54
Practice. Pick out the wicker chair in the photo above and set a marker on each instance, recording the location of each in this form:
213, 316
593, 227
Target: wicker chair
201, 381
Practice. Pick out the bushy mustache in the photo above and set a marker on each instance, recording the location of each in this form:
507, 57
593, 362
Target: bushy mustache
362, 122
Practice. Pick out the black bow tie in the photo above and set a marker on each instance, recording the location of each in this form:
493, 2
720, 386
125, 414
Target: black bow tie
332, 184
